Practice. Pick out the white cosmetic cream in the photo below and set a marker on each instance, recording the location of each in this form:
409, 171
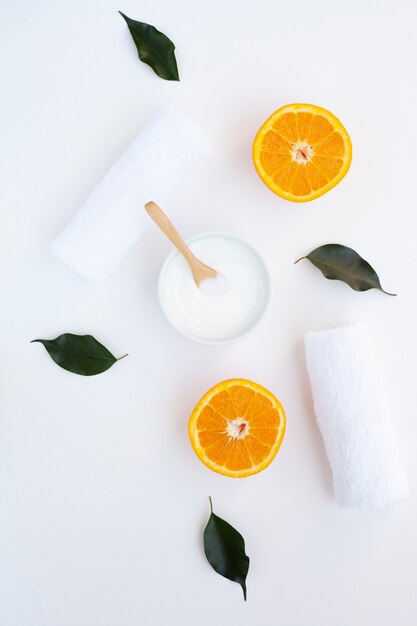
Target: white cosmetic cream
223, 309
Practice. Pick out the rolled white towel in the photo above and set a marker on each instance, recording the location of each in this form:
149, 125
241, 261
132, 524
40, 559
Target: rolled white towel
352, 413
112, 218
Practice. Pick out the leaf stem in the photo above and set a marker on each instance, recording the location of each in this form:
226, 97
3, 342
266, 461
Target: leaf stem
121, 357
388, 293
211, 504
300, 259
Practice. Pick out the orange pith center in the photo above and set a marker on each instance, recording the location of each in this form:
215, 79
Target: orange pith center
237, 428
302, 152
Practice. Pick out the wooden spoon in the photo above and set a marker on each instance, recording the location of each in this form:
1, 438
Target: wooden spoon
199, 270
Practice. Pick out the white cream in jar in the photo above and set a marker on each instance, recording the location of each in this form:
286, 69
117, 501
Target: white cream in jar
222, 310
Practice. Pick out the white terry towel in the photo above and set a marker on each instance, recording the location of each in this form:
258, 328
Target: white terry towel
352, 413
113, 218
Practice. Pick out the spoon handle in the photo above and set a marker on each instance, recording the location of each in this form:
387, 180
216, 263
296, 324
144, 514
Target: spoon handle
199, 270
161, 219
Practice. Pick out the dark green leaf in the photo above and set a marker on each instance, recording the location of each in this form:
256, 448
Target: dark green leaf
80, 354
154, 48
337, 262
225, 550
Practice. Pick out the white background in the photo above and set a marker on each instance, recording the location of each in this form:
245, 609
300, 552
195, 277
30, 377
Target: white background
102, 501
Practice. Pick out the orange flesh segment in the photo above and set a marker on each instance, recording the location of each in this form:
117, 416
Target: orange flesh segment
275, 143
274, 161
303, 124
286, 126
209, 419
319, 129
257, 427
238, 458
302, 151
331, 146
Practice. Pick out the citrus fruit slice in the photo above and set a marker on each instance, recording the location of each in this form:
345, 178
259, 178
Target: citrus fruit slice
237, 427
302, 151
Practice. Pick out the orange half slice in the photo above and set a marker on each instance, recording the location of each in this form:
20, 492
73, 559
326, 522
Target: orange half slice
237, 428
302, 151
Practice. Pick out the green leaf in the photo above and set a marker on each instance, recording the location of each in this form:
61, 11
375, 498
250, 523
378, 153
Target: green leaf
337, 262
225, 550
80, 354
154, 48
